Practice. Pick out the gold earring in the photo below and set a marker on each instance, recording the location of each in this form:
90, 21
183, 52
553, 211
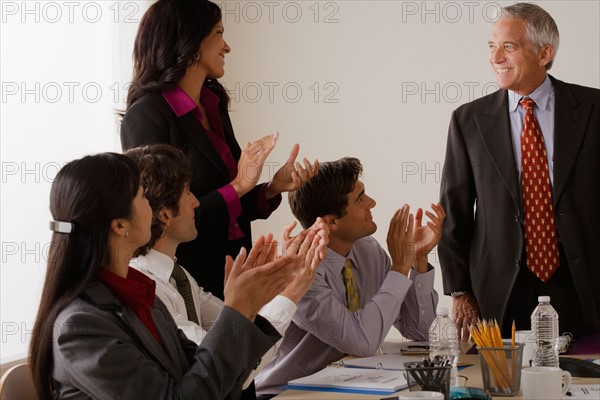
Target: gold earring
196, 56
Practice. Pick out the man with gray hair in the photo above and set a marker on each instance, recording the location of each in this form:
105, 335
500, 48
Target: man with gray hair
520, 187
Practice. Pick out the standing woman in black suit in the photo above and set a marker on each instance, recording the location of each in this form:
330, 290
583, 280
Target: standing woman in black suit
175, 98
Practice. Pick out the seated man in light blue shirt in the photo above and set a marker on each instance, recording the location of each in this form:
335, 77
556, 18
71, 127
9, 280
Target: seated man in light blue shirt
351, 312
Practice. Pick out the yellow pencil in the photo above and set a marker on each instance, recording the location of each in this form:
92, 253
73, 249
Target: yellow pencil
514, 333
514, 362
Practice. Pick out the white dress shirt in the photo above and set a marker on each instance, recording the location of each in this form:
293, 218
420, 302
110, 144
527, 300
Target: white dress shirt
159, 266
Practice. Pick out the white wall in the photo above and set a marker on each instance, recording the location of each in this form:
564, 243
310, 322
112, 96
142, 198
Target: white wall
56, 65
387, 75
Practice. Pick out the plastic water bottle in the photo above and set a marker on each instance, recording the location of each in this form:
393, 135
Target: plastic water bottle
443, 341
544, 324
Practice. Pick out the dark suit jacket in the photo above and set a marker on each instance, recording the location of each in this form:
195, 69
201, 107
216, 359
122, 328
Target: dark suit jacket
483, 235
102, 350
151, 120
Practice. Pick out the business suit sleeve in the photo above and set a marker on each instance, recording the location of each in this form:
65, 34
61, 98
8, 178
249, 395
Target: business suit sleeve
145, 123
251, 203
150, 121
457, 196
279, 313
225, 363
254, 204
94, 355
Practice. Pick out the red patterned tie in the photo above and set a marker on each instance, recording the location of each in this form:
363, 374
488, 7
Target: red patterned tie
541, 245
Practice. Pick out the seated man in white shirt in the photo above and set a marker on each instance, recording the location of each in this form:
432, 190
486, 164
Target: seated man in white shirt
165, 178
359, 293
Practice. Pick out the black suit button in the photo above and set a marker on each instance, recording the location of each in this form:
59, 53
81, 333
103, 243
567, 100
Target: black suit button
516, 218
517, 263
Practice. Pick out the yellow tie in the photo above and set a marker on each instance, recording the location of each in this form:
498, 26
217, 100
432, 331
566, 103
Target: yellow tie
351, 292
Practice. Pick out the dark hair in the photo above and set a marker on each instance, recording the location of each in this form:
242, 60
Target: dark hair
90, 193
327, 192
164, 173
540, 27
168, 38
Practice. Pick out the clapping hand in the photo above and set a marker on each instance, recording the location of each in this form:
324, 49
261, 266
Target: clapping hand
252, 161
427, 237
254, 280
409, 241
400, 240
308, 248
292, 175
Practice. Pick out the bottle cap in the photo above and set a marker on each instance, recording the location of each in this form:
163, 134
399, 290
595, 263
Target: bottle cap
545, 299
441, 311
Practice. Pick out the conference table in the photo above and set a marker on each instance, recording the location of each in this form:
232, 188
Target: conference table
472, 373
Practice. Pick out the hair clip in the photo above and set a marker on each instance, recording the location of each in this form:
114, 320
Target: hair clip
61, 227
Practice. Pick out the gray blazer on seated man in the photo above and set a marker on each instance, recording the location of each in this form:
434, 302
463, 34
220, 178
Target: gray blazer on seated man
359, 292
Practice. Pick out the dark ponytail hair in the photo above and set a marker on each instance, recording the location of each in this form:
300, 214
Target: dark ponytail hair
168, 38
90, 193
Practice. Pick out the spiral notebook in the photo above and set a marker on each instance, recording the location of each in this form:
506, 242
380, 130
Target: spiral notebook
352, 380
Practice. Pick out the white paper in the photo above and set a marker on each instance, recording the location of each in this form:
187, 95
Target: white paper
358, 379
583, 392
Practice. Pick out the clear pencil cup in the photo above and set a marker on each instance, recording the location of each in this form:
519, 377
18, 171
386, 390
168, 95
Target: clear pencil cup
501, 369
425, 378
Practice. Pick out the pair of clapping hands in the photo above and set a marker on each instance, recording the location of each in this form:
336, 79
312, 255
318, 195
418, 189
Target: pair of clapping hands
289, 177
253, 279
409, 241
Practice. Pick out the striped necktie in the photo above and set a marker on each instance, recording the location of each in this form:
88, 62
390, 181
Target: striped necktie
184, 288
541, 245
351, 292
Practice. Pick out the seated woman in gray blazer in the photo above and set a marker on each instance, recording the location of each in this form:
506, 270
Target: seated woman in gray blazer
101, 332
